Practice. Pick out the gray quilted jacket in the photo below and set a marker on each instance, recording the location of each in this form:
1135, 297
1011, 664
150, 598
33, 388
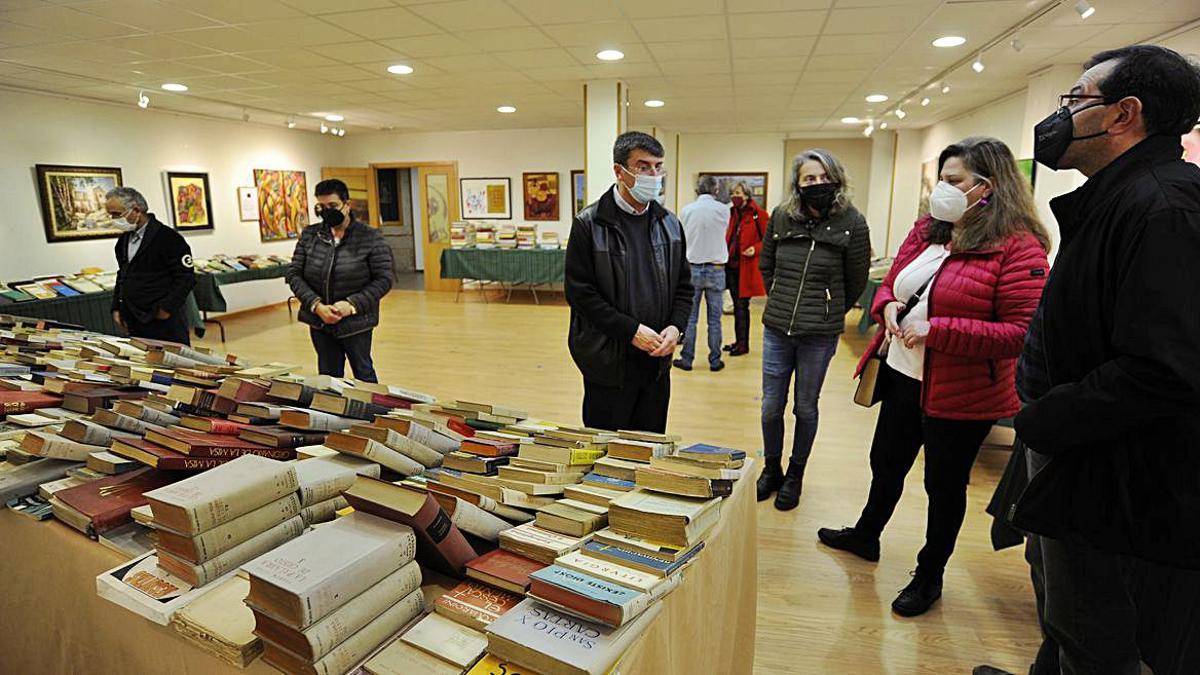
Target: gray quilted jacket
814, 271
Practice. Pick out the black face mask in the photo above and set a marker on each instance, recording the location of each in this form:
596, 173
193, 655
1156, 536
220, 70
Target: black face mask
819, 197
332, 217
1053, 135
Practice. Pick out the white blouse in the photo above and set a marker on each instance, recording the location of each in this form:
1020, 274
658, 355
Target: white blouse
905, 360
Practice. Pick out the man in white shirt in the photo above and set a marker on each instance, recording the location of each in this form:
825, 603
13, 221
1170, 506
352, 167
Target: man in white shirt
704, 223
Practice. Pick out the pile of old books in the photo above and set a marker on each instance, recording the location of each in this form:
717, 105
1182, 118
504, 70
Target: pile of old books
506, 238
527, 236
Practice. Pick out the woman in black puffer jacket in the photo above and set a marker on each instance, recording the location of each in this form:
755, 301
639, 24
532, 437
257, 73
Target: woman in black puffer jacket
340, 271
814, 263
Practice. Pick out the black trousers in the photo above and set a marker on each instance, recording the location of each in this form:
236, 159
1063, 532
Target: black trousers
741, 307
333, 352
950, 450
173, 329
639, 404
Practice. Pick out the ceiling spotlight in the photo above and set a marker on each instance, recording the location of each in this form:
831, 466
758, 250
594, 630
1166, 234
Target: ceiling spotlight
654, 103
143, 100
925, 102
1017, 44
883, 125
506, 109
334, 118
900, 114
877, 98
291, 123
400, 69
946, 89
174, 86
610, 55
978, 65
850, 120
869, 130
324, 129
947, 41
1084, 9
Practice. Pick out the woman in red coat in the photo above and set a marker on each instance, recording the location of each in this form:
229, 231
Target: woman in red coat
955, 307
747, 224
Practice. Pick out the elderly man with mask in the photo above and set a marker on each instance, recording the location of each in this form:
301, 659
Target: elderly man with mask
154, 271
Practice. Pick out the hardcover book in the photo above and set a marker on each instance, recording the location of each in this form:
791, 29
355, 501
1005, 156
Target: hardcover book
219, 495
451, 641
164, 459
476, 605
504, 570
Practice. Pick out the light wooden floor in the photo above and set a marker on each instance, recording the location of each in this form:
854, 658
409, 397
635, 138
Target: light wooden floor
820, 611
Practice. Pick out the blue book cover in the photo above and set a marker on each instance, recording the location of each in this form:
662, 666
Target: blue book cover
663, 567
605, 481
706, 449
162, 378
65, 290
586, 585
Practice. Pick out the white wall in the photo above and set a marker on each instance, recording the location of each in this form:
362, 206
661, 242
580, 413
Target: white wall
1002, 119
732, 153
482, 154
144, 143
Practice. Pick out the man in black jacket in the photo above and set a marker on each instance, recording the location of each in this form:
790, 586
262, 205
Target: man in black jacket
154, 273
630, 291
340, 270
1113, 433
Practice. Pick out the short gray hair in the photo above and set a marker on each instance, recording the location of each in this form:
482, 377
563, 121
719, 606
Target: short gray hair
129, 198
707, 185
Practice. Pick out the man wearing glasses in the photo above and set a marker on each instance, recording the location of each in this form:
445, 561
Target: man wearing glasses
630, 291
340, 271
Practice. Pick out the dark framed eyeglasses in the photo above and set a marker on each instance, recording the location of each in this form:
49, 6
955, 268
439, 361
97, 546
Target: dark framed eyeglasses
1072, 100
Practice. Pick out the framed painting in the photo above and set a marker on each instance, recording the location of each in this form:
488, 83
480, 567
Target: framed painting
929, 179
541, 195
727, 180
72, 200
578, 191
485, 198
437, 207
191, 201
282, 204
1028, 168
247, 204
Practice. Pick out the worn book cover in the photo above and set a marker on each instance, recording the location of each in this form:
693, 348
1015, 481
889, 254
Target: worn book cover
106, 502
476, 605
401, 658
446, 639
504, 569
165, 459
146, 589
210, 570
198, 444
219, 623
219, 495
17, 402
280, 437
537, 543
375, 451
588, 596
323, 478
211, 543
639, 558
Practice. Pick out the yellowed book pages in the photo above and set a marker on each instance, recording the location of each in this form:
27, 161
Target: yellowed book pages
220, 623
447, 640
211, 543
401, 658
219, 495
321, 479
365, 641
426, 457
381, 454
50, 445
470, 518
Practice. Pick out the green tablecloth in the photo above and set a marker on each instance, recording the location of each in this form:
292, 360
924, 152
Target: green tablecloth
93, 311
535, 266
208, 286
866, 300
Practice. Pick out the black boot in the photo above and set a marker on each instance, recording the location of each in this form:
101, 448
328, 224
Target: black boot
789, 493
919, 595
769, 481
850, 539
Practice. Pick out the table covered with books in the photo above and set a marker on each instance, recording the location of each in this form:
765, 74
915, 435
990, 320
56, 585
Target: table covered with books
241, 517
511, 266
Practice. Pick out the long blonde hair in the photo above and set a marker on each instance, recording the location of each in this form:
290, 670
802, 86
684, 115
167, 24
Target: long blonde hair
1009, 209
837, 174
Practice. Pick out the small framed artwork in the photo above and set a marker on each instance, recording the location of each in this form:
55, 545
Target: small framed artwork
578, 191
486, 198
72, 200
282, 203
191, 201
541, 195
247, 204
727, 180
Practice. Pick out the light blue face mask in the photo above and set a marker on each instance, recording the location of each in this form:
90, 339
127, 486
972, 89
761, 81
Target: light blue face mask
645, 188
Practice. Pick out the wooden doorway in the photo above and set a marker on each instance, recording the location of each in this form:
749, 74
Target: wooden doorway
436, 210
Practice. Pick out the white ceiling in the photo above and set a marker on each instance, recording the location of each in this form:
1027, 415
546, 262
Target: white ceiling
720, 65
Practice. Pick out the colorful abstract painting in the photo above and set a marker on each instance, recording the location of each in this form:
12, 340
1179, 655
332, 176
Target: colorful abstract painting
541, 196
191, 202
282, 203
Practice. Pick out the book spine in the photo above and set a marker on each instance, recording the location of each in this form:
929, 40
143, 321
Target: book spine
214, 452
358, 646
62, 448
357, 577
225, 537
431, 439
223, 508
225, 428
248, 550
381, 454
426, 457
94, 434
149, 415
323, 512
326, 488
470, 518
348, 619
189, 463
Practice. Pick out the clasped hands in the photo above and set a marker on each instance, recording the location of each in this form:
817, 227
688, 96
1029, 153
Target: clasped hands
334, 313
912, 335
656, 344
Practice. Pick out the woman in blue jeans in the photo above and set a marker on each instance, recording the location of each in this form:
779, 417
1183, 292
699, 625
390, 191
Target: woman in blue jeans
814, 263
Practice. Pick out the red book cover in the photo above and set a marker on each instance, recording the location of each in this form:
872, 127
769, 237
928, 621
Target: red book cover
107, 501
483, 603
197, 444
279, 437
88, 400
21, 402
213, 425
489, 448
164, 459
390, 401
506, 566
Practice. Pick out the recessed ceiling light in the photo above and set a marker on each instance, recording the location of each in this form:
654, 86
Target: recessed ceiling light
883, 125
506, 109
334, 118
947, 41
946, 89
978, 65
400, 69
900, 114
174, 86
877, 98
324, 129
924, 101
869, 130
610, 55
850, 120
143, 100
291, 123
654, 103
1085, 10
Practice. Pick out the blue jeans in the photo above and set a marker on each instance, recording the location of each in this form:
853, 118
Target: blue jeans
807, 356
333, 352
709, 281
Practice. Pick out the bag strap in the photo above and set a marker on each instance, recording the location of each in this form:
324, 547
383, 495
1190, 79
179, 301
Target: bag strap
915, 298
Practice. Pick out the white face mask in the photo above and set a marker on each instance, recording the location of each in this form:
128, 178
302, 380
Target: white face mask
947, 203
123, 223
645, 188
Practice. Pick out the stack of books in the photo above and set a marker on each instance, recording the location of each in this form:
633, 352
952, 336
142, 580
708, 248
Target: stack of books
548, 240
210, 524
506, 238
485, 237
462, 235
325, 601
527, 236
700, 470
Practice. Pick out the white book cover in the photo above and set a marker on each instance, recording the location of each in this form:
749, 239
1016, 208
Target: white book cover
364, 608
447, 639
227, 491
321, 479
146, 589
360, 645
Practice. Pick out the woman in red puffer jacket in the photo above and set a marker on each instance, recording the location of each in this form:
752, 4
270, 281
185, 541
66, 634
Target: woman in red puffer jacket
954, 310
747, 226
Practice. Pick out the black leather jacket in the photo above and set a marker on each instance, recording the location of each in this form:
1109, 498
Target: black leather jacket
597, 287
358, 270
